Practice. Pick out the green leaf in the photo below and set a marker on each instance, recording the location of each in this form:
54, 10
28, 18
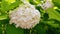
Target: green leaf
4, 6
2, 17
10, 1
56, 3
13, 5
39, 29
53, 14
0, 29
11, 29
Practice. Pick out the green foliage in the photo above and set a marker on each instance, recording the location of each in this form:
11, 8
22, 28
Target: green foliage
49, 23
6, 7
56, 3
11, 29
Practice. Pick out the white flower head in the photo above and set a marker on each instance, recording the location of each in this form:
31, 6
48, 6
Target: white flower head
25, 16
46, 5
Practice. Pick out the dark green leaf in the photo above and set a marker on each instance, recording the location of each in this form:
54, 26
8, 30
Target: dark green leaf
11, 29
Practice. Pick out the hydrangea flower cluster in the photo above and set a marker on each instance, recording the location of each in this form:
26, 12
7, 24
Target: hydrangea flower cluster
25, 16
46, 5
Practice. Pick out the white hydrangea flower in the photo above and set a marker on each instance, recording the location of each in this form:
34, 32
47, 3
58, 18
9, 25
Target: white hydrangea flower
46, 5
25, 16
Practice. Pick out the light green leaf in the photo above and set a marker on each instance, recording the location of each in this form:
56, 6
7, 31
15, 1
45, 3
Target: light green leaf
53, 14
2, 17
